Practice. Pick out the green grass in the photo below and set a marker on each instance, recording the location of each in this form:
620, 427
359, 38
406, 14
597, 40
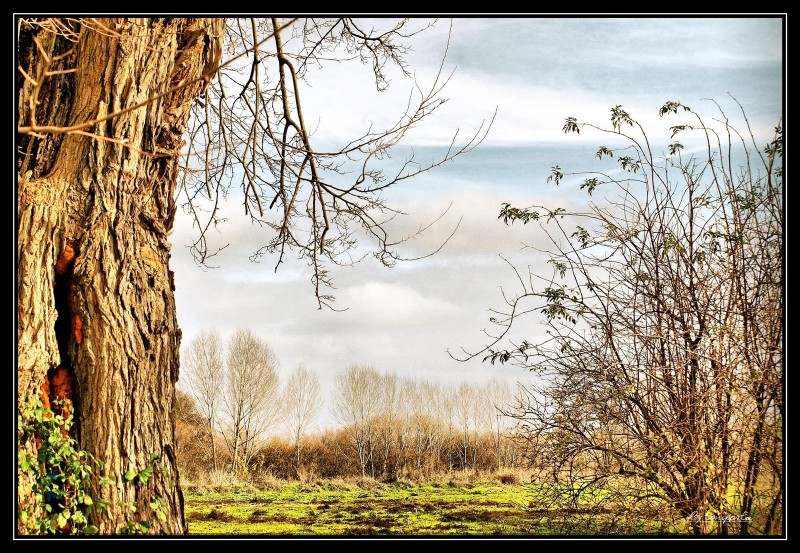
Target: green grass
398, 509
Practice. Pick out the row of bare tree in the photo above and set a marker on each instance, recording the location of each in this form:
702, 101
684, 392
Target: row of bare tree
396, 424
393, 425
237, 396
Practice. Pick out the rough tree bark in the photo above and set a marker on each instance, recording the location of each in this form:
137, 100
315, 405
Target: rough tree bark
114, 205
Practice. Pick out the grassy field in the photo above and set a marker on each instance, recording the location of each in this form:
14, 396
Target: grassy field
400, 509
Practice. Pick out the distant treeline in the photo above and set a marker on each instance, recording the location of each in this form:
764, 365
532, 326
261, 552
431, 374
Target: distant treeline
389, 426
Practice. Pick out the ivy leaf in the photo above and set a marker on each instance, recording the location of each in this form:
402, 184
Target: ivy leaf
145, 475
90, 529
130, 475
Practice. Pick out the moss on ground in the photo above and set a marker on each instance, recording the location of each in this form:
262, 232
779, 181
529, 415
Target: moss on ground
397, 509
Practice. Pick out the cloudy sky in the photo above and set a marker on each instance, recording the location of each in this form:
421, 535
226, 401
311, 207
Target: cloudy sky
535, 72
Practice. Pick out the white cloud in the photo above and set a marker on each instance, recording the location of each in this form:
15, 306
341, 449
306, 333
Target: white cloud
345, 106
538, 71
381, 304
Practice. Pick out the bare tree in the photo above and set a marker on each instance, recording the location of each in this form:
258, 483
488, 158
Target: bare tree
250, 394
203, 360
448, 408
391, 427
436, 396
661, 372
96, 181
303, 402
464, 399
318, 202
418, 421
357, 403
118, 119
389, 423
192, 449
405, 422
186, 409
497, 405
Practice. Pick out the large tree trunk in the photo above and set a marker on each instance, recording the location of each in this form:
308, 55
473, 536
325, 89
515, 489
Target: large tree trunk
114, 205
